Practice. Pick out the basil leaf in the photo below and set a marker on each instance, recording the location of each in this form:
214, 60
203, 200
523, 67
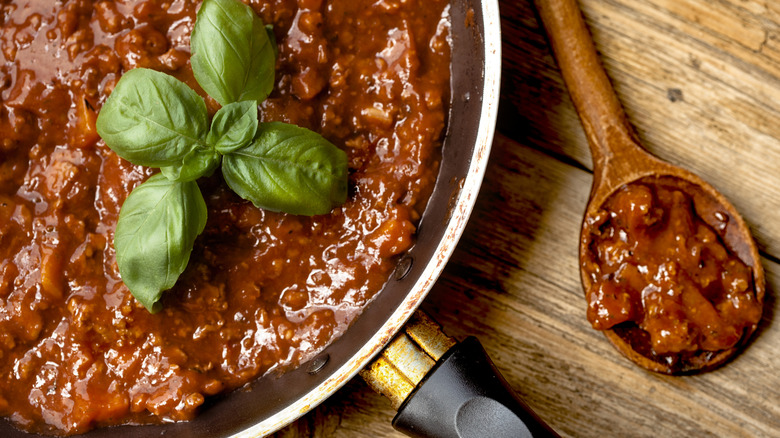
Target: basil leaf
232, 57
288, 168
233, 126
155, 234
152, 119
200, 162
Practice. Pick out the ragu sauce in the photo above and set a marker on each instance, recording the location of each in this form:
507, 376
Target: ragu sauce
263, 291
654, 262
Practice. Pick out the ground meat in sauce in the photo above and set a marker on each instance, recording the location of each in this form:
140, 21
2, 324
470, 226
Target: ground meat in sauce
263, 291
654, 262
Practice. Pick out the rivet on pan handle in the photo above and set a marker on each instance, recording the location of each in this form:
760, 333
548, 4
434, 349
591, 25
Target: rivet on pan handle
443, 388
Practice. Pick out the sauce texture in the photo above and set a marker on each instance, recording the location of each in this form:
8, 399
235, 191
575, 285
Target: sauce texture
263, 291
654, 262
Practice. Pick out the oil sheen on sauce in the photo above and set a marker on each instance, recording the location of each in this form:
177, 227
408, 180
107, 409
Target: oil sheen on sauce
654, 262
263, 291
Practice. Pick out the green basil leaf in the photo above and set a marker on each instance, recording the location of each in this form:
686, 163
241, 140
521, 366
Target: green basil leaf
233, 126
232, 57
200, 162
152, 119
157, 227
288, 168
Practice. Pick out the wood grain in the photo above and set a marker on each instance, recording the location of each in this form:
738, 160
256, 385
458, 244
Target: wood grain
700, 80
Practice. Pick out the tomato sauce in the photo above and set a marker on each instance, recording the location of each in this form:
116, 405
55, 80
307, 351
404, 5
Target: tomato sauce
263, 291
654, 262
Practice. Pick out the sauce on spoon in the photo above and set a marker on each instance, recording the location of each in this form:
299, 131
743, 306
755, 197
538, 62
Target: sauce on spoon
670, 270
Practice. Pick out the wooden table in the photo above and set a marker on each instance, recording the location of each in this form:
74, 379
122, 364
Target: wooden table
700, 80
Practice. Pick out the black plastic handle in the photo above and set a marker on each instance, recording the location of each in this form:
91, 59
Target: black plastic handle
465, 396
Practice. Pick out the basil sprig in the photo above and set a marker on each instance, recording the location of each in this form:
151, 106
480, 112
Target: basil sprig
153, 119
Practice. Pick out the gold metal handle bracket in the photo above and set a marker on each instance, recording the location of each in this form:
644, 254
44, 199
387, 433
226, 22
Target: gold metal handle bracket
407, 358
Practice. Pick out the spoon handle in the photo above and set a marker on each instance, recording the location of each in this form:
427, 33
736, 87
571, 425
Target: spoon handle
609, 132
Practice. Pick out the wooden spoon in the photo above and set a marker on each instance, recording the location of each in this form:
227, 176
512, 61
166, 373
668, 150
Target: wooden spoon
618, 159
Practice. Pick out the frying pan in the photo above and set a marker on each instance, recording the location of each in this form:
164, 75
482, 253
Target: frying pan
273, 401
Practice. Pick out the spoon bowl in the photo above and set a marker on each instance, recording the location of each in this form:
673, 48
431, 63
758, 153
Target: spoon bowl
619, 160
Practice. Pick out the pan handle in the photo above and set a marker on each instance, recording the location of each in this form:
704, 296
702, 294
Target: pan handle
449, 392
